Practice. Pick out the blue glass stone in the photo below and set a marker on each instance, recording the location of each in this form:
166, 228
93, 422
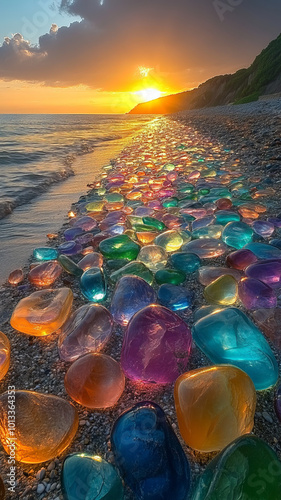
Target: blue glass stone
230, 337
149, 455
275, 243
131, 294
176, 298
89, 477
45, 253
70, 248
186, 262
72, 232
93, 285
264, 251
237, 234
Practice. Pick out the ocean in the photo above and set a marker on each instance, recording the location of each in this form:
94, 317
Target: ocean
46, 162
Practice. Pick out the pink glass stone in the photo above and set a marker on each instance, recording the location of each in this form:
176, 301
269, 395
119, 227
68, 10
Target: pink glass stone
45, 274
240, 259
156, 346
254, 294
205, 248
87, 330
16, 277
93, 259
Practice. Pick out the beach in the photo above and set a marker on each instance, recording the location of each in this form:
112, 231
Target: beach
243, 139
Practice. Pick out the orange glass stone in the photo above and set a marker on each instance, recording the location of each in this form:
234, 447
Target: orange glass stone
146, 237
87, 250
16, 277
5, 351
43, 312
214, 405
95, 381
45, 274
44, 427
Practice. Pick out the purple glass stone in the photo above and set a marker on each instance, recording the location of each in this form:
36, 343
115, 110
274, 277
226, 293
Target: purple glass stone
255, 294
278, 403
111, 219
70, 248
268, 272
240, 259
131, 294
263, 228
156, 347
86, 223
72, 232
275, 221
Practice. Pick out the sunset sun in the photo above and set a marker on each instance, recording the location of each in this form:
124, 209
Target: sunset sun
148, 94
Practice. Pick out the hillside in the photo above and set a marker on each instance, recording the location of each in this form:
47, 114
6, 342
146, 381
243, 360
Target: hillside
262, 77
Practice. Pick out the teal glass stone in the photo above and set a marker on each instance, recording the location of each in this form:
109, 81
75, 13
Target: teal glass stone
89, 477
264, 251
93, 285
169, 276
247, 469
230, 337
114, 265
69, 266
45, 253
119, 247
154, 223
186, 262
237, 234
170, 202
134, 268
223, 217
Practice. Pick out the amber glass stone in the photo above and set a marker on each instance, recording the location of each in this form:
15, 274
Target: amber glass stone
5, 351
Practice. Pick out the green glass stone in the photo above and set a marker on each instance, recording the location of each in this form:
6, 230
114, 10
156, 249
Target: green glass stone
119, 247
171, 202
114, 197
203, 192
133, 269
169, 167
247, 469
114, 265
144, 228
169, 276
69, 266
154, 223
89, 477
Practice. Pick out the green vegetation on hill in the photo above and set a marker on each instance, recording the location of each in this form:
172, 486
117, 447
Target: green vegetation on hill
246, 85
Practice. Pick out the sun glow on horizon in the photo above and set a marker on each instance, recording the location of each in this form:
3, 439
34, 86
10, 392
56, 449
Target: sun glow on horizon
149, 94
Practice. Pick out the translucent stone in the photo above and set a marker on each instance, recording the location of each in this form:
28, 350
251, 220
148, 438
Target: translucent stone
237, 234
93, 284
45, 253
263, 228
43, 312
222, 291
153, 256
130, 295
16, 277
205, 310
269, 272
45, 274
5, 352
278, 403
156, 346
90, 474
240, 259
93, 259
154, 223
70, 248
246, 469
264, 251
146, 237
172, 240
176, 298
119, 247
230, 337
71, 233
149, 455
95, 206
134, 268
186, 262
169, 276
69, 266
95, 381
269, 320
223, 217
45, 425
254, 294
205, 248
86, 223
214, 406
208, 274
202, 223
213, 231
87, 330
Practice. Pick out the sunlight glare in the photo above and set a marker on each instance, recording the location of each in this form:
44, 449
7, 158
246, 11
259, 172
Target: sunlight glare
148, 94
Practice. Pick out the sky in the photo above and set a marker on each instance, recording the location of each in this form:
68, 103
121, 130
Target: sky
105, 56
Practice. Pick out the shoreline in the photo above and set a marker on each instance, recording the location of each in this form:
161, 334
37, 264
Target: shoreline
35, 364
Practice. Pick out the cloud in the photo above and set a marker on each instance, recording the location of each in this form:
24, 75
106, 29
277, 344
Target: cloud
105, 49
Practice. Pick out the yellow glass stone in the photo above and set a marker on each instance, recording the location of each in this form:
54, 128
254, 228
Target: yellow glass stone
43, 312
222, 291
5, 351
214, 405
44, 427
95, 206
